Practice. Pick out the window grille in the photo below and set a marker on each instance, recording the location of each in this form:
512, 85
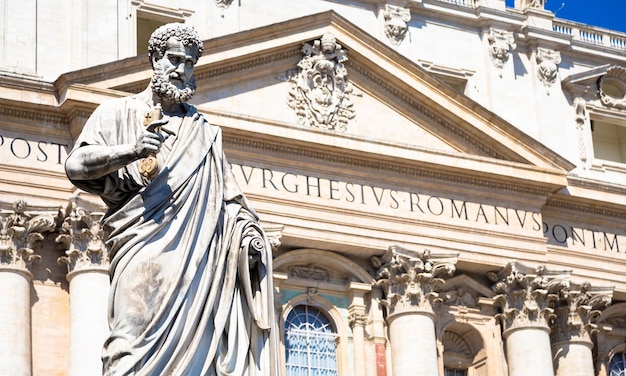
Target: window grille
310, 343
455, 372
617, 366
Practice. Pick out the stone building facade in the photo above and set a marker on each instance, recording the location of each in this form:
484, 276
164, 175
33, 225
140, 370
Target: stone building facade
443, 181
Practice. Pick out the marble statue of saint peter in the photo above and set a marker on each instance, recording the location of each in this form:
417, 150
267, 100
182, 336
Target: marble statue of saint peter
191, 290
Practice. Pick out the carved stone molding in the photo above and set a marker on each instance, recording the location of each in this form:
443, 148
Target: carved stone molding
612, 87
527, 295
410, 279
83, 237
21, 235
320, 91
500, 44
311, 271
382, 166
459, 297
396, 19
578, 309
547, 66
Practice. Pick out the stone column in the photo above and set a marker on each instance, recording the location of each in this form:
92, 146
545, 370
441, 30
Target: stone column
410, 281
357, 323
571, 332
526, 298
20, 236
88, 264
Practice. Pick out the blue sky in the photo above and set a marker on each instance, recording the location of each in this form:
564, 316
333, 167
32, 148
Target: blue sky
609, 14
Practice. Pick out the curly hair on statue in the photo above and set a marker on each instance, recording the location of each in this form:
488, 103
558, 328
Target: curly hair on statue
187, 35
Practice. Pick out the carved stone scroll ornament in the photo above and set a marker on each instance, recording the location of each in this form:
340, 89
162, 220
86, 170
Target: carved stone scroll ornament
500, 45
396, 26
527, 295
578, 309
580, 106
21, 234
320, 91
547, 70
410, 279
83, 238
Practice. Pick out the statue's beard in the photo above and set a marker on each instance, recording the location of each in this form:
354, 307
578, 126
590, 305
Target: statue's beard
162, 87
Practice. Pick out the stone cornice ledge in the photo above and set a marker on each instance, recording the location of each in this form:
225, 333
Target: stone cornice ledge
401, 159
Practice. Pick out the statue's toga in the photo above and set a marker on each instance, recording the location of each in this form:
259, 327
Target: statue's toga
191, 289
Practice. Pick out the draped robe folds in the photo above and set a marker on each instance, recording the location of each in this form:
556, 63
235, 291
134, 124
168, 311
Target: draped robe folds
191, 289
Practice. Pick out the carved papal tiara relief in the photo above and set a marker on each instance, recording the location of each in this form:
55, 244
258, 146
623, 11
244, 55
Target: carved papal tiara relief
500, 44
547, 70
396, 26
612, 87
320, 91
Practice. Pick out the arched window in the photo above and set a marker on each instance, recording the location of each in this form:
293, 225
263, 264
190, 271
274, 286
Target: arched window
310, 343
617, 366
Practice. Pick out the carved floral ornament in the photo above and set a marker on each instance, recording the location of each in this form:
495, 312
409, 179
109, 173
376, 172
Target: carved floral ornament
500, 44
527, 295
612, 87
579, 307
320, 91
410, 279
547, 66
21, 234
83, 237
396, 19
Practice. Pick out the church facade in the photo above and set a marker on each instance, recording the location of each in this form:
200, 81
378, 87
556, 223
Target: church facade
443, 182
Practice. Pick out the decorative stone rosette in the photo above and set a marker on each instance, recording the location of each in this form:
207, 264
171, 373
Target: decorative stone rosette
410, 279
320, 91
527, 296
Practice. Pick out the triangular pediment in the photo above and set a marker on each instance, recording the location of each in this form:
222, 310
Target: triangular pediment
401, 112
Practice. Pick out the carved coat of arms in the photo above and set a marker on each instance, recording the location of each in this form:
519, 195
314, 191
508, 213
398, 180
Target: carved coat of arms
320, 91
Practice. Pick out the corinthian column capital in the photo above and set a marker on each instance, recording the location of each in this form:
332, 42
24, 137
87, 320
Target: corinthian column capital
527, 295
83, 237
21, 235
410, 279
578, 309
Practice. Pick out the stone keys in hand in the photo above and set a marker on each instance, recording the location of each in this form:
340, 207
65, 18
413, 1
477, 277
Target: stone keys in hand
149, 166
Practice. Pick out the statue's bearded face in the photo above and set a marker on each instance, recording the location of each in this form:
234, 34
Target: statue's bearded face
173, 78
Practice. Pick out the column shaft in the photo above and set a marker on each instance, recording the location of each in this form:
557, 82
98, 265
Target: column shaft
413, 344
528, 351
573, 359
15, 322
89, 291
